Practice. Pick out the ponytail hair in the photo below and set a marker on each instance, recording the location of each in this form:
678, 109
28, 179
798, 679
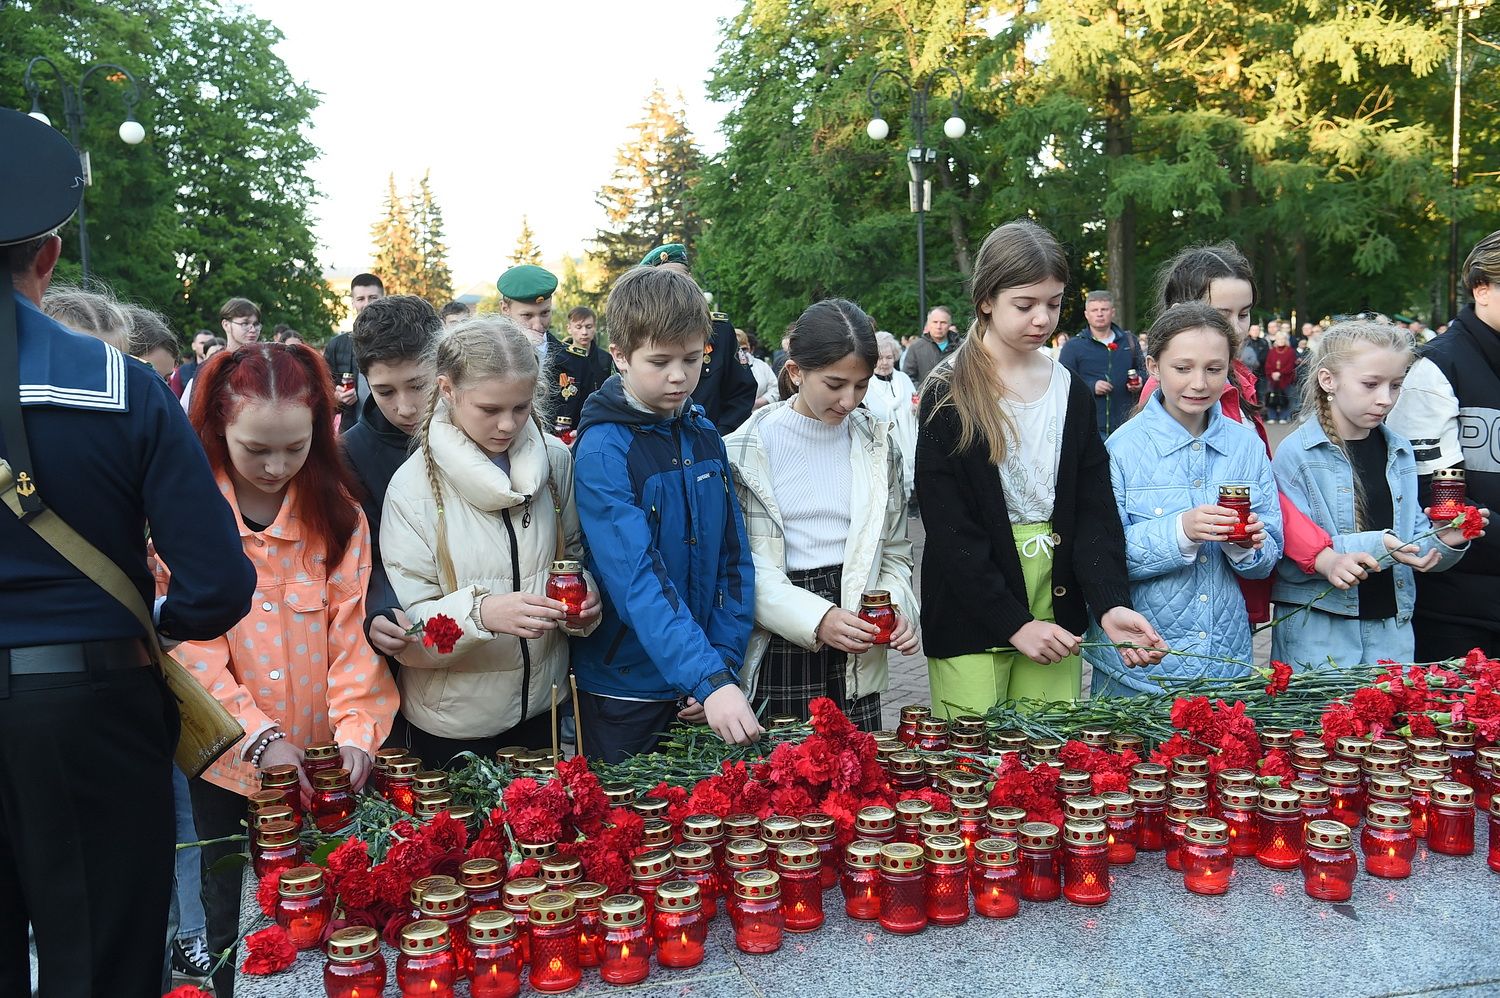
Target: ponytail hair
478, 348
1013, 256
1331, 353
824, 334
283, 374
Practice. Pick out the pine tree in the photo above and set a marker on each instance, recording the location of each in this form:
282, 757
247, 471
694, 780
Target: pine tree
436, 281
649, 200
398, 255
527, 250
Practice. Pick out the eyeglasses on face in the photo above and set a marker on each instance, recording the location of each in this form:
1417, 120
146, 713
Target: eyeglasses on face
246, 323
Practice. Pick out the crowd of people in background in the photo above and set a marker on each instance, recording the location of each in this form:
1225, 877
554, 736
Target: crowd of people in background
730, 509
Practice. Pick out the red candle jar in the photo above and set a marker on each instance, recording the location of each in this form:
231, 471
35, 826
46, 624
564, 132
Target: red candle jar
497, 962
742, 855
861, 880
648, 871
332, 800
778, 828
1151, 814
1179, 810
1328, 864
1074, 783
426, 967
680, 926
1190, 764
481, 880
903, 888
627, 946
821, 832
1240, 809
1485, 775
1493, 857
1085, 807
1458, 740
1207, 860
1387, 841
971, 810
1280, 830
1450, 819
1352, 748
398, 784
1005, 822
1236, 498
429, 781
1189, 787
587, 895
875, 607
277, 848
554, 942
906, 731
1124, 828
947, 880
876, 823
801, 885
709, 830
932, 734
516, 899
1449, 493
694, 862
1312, 800
381, 767
994, 878
303, 906
1085, 866
906, 771
448, 904
757, 912
271, 805
909, 820
1390, 788
283, 780
1380, 764
1434, 759
1307, 764
421, 886
1275, 738
1422, 782
560, 872
1133, 380
566, 585
320, 757
1043, 751
1037, 868
650, 807
355, 967
937, 823
1346, 791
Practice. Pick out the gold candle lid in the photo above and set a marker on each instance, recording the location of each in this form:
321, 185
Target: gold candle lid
518, 892
622, 911
1150, 771
321, 752
1117, 804
912, 713
1275, 800
862, 854
426, 935
423, 884
384, 757
492, 927
476, 874
1085, 832
1206, 831
1181, 809
1452, 794
1389, 786
566, 568
1146, 791
1240, 798
561, 870
1095, 735
970, 805
405, 767
995, 852
693, 856
909, 812
1454, 474
588, 894
300, 881
1382, 814
938, 823
946, 850
278, 776
797, 854
1313, 792
276, 812
818, 827
651, 863
678, 895
780, 828
1075, 781
331, 779
1190, 765
758, 885
1084, 807
1327, 834
444, 899
552, 908
650, 807
352, 944
1039, 835
969, 724
702, 827
430, 780
875, 597
276, 833
900, 857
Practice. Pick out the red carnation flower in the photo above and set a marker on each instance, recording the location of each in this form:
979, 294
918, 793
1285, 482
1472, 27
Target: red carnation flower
187, 991
267, 892
1468, 520
1281, 676
268, 951
441, 632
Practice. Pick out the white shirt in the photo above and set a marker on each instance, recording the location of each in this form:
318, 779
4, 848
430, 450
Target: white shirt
1029, 473
812, 481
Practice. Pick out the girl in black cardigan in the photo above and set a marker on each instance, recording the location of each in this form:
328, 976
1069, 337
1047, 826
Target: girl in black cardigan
1023, 538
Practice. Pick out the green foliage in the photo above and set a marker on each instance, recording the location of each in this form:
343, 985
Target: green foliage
216, 202
527, 250
434, 279
411, 256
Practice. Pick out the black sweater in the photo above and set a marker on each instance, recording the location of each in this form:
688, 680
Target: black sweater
973, 591
375, 449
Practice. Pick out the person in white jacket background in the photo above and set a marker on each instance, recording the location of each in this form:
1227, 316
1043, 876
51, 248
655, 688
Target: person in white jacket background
472, 522
892, 397
820, 482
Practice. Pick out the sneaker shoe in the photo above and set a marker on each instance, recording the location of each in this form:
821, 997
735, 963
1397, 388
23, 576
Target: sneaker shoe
191, 957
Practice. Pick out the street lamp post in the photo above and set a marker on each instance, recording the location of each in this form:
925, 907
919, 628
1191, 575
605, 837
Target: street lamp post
1463, 10
920, 154
131, 131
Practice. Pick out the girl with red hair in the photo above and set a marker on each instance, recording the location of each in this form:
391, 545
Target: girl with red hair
298, 670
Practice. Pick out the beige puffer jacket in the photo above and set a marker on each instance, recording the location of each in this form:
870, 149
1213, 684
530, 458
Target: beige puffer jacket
502, 534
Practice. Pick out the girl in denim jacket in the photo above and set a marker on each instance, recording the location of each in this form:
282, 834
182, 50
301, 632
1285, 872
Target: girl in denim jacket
1357, 479
1166, 466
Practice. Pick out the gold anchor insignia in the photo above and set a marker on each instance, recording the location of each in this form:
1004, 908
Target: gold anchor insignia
25, 487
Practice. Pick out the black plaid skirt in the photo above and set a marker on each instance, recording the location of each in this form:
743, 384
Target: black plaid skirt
791, 677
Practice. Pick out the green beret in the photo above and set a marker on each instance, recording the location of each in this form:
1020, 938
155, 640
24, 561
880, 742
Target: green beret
670, 253
527, 283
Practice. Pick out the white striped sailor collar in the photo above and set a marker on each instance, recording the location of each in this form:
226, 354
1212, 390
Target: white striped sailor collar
62, 368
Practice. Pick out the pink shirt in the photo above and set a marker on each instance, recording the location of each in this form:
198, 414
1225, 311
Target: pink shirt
299, 660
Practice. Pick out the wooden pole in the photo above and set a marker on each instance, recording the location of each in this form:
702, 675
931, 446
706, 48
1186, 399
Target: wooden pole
556, 754
577, 715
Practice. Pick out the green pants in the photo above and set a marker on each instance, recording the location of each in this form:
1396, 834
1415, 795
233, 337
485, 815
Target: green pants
975, 683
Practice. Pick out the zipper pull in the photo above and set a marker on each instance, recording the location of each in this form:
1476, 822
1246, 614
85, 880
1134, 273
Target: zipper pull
526, 512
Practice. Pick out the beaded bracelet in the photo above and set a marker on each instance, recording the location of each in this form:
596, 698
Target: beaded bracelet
261, 748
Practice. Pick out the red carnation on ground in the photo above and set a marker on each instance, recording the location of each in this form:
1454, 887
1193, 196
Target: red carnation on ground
1279, 679
1032, 790
187, 991
268, 951
267, 892
351, 856
1422, 726
492, 842
1278, 764
441, 632
676, 798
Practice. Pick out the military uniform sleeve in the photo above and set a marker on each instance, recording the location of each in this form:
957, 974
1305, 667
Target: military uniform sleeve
192, 527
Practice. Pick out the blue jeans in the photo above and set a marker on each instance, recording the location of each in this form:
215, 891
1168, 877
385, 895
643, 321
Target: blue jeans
187, 899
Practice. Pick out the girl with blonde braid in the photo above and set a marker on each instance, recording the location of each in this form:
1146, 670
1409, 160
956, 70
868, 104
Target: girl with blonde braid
472, 522
1357, 479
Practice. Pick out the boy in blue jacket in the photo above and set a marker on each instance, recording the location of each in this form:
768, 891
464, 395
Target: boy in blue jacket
665, 536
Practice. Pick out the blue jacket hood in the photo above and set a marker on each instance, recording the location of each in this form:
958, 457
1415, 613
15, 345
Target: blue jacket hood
610, 405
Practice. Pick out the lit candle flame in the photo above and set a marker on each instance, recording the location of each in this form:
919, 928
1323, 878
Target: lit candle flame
555, 966
624, 951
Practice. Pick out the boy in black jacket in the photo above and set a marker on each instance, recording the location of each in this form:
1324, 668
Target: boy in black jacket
393, 343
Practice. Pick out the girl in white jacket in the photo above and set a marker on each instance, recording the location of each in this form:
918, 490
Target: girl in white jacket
893, 398
820, 481
472, 522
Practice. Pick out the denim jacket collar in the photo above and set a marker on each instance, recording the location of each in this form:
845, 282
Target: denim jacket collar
1170, 436
1311, 435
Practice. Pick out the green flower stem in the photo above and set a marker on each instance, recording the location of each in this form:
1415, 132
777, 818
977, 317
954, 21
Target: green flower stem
213, 842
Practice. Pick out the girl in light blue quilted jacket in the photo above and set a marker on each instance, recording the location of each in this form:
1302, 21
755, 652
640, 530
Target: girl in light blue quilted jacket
1357, 479
1166, 466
